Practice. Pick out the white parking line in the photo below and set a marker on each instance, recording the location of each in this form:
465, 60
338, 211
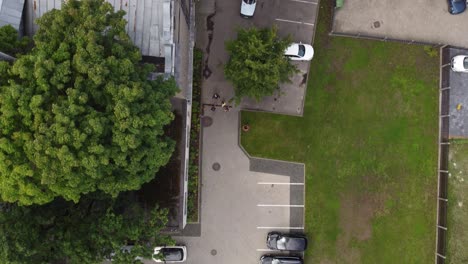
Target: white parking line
265, 249
306, 2
280, 183
280, 227
280, 205
296, 22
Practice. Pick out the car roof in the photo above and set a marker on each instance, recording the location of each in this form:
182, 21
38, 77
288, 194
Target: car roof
294, 242
172, 254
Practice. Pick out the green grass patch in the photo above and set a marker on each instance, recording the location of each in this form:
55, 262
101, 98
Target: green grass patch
368, 138
458, 204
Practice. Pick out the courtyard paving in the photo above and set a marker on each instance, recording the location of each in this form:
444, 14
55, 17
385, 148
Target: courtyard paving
422, 21
247, 197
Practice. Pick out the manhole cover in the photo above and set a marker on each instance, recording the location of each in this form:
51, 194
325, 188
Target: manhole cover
216, 166
376, 24
214, 252
206, 121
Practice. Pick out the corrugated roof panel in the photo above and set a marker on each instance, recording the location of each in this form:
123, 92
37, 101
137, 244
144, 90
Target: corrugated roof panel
126, 8
50, 5
58, 4
154, 39
11, 12
131, 19
146, 27
138, 40
41, 8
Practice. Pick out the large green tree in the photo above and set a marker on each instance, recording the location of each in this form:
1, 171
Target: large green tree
79, 113
257, 64
90, 231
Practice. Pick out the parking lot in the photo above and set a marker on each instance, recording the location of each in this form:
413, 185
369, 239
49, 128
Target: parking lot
423, 21
458, 106
243, 200
294, 18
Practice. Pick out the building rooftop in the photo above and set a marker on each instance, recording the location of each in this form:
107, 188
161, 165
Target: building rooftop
11, 12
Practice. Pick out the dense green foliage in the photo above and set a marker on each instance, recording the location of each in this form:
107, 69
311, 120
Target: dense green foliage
257, 64
10, 43
368, 138
194, 170
79, 114
87, 232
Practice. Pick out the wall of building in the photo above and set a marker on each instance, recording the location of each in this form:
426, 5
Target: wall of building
184, 36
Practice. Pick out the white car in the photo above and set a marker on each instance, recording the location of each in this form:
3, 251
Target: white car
299, 52
174, 254
460, 63
248, 8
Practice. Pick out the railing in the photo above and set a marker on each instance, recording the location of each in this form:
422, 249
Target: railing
443, 163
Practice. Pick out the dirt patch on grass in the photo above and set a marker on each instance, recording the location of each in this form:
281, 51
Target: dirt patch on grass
356, 213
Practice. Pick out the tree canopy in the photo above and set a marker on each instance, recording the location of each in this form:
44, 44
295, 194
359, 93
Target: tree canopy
95, 229
10, 43
257, 64
78, 113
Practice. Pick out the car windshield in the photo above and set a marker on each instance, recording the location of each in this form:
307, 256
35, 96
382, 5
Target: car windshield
465, 63
172, 254
249, 2
301, 50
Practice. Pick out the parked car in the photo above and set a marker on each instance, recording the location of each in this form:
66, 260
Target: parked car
460, 63
248, 8
280, 260
456, 6
289, 242
299, 52
174, 254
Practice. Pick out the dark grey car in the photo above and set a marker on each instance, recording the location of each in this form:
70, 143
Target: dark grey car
288, 242
456, 6
280, 260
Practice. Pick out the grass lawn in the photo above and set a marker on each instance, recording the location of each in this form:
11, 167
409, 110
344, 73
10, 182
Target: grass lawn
369, 141
458, 204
